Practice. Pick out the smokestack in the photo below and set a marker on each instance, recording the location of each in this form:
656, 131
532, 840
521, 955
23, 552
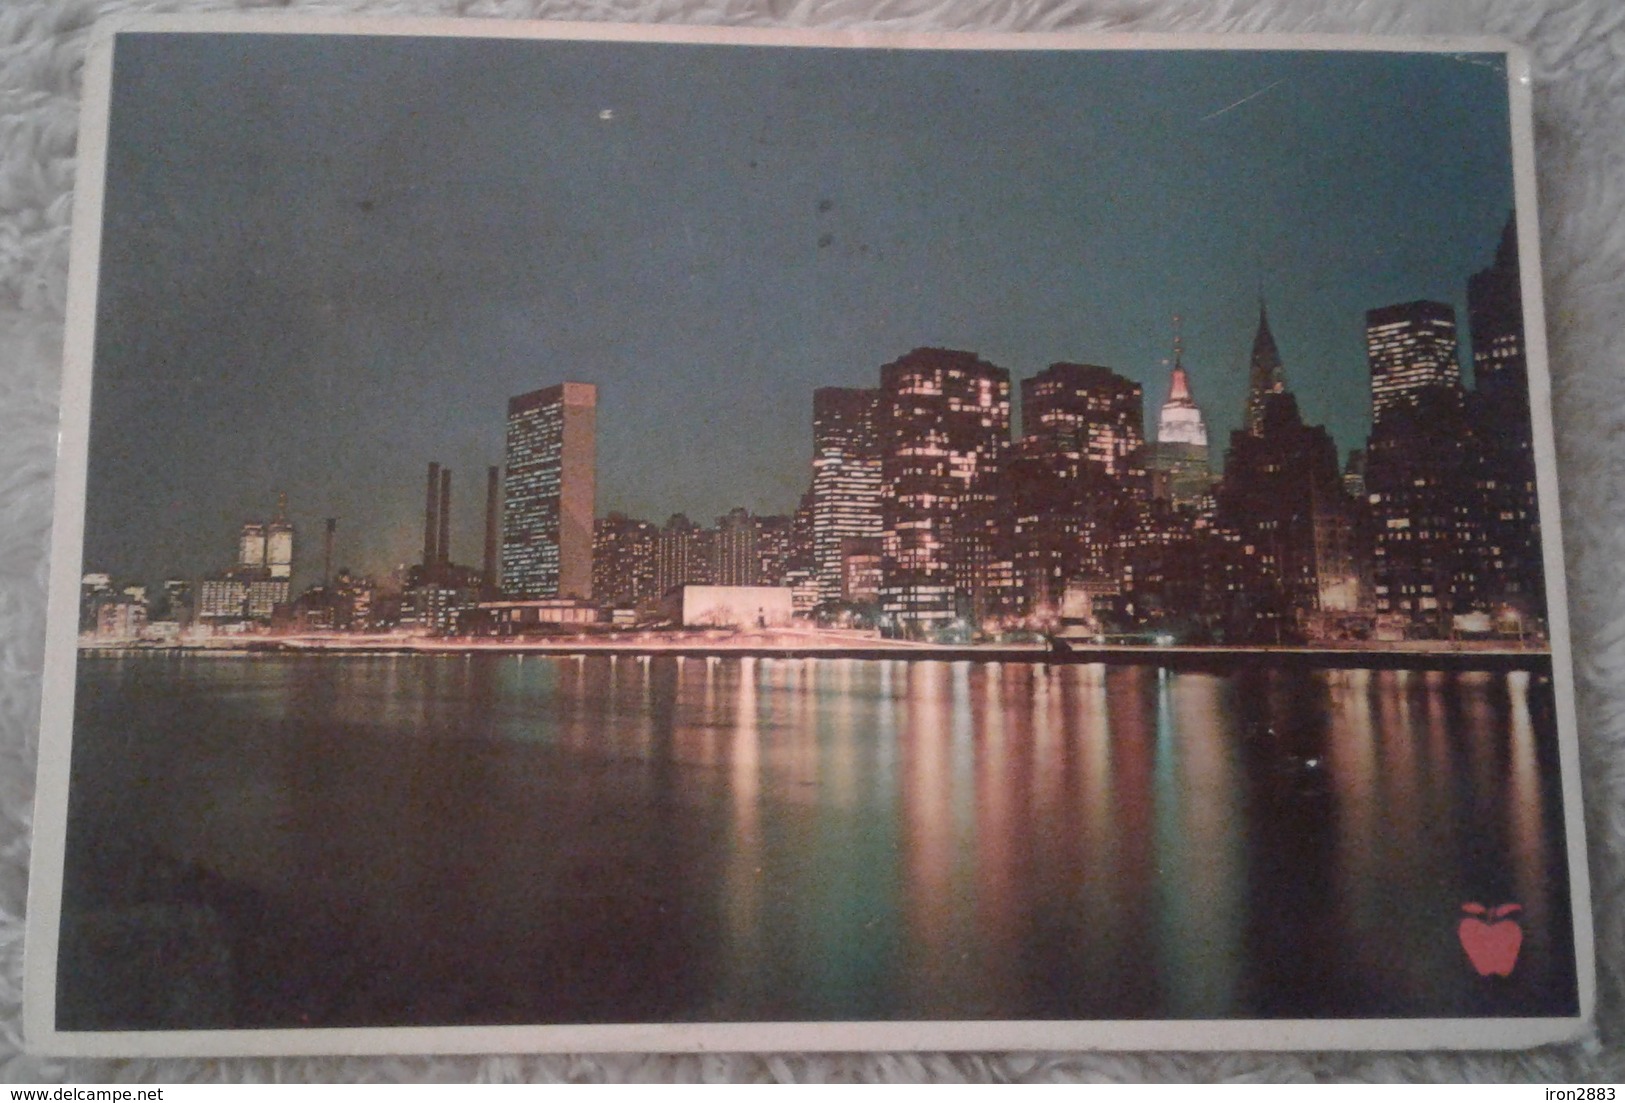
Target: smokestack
327, 552
431, 519
445, 516
493, 508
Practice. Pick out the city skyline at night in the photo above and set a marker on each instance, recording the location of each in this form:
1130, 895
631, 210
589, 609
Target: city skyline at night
381, 308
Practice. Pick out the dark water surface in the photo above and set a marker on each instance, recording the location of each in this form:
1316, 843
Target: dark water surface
387, 840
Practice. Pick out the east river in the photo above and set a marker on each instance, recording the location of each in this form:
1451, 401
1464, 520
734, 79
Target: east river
332, 840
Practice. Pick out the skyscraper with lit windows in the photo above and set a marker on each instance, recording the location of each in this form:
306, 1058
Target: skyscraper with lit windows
1086, 411
845, 479
1410, 347
945, 427
548, 492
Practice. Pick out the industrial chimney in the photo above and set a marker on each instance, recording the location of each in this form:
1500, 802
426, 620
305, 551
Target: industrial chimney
431, 520
493, 511
445, 517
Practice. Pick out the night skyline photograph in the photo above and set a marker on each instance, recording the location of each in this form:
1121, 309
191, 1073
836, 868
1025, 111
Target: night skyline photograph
778, 540
371, 263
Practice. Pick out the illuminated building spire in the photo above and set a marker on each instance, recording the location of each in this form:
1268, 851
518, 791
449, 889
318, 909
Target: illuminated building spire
1266, 375
1181, 419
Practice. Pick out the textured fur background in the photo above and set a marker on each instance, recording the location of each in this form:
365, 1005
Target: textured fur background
1579, 56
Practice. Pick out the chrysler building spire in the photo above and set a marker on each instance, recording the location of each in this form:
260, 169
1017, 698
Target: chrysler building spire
1266, 375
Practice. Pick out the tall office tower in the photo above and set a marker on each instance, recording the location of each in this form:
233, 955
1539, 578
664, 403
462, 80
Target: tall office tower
1265, 373
1499, 411
493, 532
548, 493
945, 427
431, 519
737, 553
1410, 347
1283, 492
251, 547
677, 549
279, 541
1064, 514
1182, 450
1087, 411
625, 560
1495, 316
1427, 532
845, 478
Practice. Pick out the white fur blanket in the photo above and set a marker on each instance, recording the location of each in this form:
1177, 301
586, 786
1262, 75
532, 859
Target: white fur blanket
1579, 57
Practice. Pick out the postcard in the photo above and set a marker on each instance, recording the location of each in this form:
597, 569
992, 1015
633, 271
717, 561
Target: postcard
649, 538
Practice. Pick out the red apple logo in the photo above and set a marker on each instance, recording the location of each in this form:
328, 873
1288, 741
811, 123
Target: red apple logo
1492, 946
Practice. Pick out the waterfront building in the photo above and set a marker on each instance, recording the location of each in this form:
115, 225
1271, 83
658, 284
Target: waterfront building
1065, 499
1160, 572
121, 618
1499, 410
860, 569
774, 539
1063, 515
1283, 494
514, 618
845, 478
730, 606
945, 426
625, 560
737, 555
438, 602
264, 595
1426, 527
548, 492
683, 555
222, 598
1410, 348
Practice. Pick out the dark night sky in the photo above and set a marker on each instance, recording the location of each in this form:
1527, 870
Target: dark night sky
329, 260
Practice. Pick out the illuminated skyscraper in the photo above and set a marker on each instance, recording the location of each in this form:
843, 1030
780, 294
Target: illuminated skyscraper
737, 558
1410, 348
1513, 576
279, 542
1182, 450
1085, 411
251, 547
625, 560
549, 491
1265, 373
1428, 539
945, 427
845, 480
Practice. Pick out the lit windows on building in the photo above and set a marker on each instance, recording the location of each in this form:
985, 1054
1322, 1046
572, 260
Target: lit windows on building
548, 492
1410, 348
